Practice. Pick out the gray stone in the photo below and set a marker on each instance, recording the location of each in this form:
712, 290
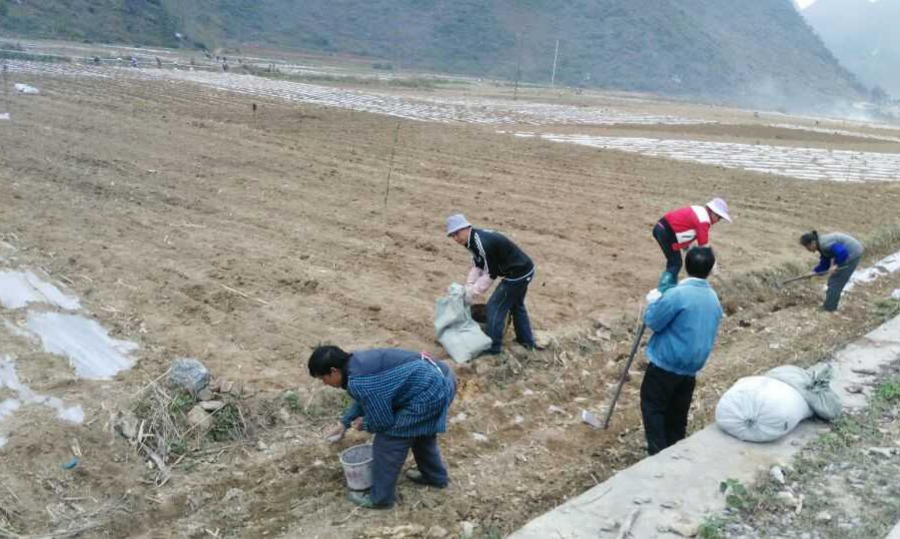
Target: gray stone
436, 532
466, 530
212, 406
205, 395
189, 374
883, 451
127, 425
481, 438
823, 516
787, 499
198, 417
777, 474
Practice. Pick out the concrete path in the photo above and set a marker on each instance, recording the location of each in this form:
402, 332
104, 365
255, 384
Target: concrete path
680, 485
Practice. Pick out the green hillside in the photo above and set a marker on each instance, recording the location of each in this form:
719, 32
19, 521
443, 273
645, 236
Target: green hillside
759, 52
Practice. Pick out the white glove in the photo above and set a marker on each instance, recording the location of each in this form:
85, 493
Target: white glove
653, 295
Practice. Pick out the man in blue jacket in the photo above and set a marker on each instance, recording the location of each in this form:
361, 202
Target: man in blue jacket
400, 396
684, 321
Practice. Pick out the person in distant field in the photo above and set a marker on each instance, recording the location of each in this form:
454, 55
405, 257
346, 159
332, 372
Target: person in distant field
134, 61
400, 396
678, 229
844, 250
494, 255
684, 321
158, 63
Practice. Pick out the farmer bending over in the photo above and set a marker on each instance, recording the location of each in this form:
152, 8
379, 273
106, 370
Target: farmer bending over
684, 321
678, 229
845, 250
494, 255
402, 397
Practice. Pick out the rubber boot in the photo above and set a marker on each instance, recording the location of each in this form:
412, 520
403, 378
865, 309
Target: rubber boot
666, 281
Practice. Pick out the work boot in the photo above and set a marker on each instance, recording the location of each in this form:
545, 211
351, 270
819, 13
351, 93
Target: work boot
416, 477
363, 499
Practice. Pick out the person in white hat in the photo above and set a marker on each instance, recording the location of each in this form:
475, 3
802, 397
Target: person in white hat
680, 228
494, 255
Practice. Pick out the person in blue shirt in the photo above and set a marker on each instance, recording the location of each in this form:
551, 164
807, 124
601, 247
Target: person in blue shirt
684, 321
400, 396
844, 250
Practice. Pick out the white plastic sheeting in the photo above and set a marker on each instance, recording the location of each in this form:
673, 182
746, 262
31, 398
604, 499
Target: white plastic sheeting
89, 348
802, 163
18, 289
26, 89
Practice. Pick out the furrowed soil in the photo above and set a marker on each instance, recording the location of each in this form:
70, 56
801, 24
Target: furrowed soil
196, 228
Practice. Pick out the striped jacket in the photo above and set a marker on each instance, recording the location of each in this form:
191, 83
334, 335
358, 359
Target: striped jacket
398, 392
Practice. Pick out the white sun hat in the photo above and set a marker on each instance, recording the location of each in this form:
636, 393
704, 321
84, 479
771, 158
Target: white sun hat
456, 222
720, 208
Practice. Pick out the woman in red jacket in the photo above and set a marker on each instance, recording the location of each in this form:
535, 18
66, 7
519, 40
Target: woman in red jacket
678, 229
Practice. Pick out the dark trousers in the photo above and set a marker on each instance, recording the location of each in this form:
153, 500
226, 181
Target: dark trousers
389, 454
665, 237
665, 401
509, 297
836, 283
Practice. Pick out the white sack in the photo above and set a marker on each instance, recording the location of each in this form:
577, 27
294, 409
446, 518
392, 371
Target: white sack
760, 409
460, 336
25, 89
815, 386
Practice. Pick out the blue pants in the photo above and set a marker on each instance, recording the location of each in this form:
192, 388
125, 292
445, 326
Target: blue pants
509, 296
836, 284
389, 454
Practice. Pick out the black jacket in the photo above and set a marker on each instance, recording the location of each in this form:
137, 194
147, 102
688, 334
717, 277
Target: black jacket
498, 255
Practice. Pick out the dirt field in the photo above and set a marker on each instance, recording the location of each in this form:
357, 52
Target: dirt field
195, 228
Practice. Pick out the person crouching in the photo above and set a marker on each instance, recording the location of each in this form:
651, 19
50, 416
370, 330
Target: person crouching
400, 396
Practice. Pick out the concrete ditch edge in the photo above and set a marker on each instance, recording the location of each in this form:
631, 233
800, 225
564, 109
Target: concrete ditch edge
680, 485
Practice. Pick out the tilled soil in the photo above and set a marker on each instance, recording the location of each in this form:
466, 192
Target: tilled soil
195, 228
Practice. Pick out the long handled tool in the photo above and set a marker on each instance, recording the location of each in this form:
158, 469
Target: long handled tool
800, 278
634, 349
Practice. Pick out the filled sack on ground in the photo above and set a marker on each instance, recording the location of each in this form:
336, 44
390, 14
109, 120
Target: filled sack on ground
814, 384
460, 336
761, 409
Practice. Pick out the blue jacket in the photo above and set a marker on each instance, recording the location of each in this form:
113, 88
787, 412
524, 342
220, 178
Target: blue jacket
684, 323
398, 392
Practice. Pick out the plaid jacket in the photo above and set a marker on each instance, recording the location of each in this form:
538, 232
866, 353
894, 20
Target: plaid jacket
398, 392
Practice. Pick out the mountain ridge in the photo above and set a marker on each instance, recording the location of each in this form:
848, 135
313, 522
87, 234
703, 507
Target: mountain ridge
760, 53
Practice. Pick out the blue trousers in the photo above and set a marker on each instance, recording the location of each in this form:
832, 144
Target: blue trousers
509, 297
836, 284
389, 454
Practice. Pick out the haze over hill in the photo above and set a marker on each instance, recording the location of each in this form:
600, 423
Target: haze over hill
863, 35
758, 53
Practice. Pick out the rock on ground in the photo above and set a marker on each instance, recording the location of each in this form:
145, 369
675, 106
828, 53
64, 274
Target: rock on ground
189, 374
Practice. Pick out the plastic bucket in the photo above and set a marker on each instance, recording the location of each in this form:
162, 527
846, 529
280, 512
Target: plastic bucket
357, 463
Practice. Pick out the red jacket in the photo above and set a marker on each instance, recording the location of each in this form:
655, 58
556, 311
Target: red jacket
689, 224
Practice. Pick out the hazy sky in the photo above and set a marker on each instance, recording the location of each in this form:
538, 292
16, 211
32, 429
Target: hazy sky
805, 3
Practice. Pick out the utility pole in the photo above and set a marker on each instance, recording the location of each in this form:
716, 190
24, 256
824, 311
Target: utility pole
555, 57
